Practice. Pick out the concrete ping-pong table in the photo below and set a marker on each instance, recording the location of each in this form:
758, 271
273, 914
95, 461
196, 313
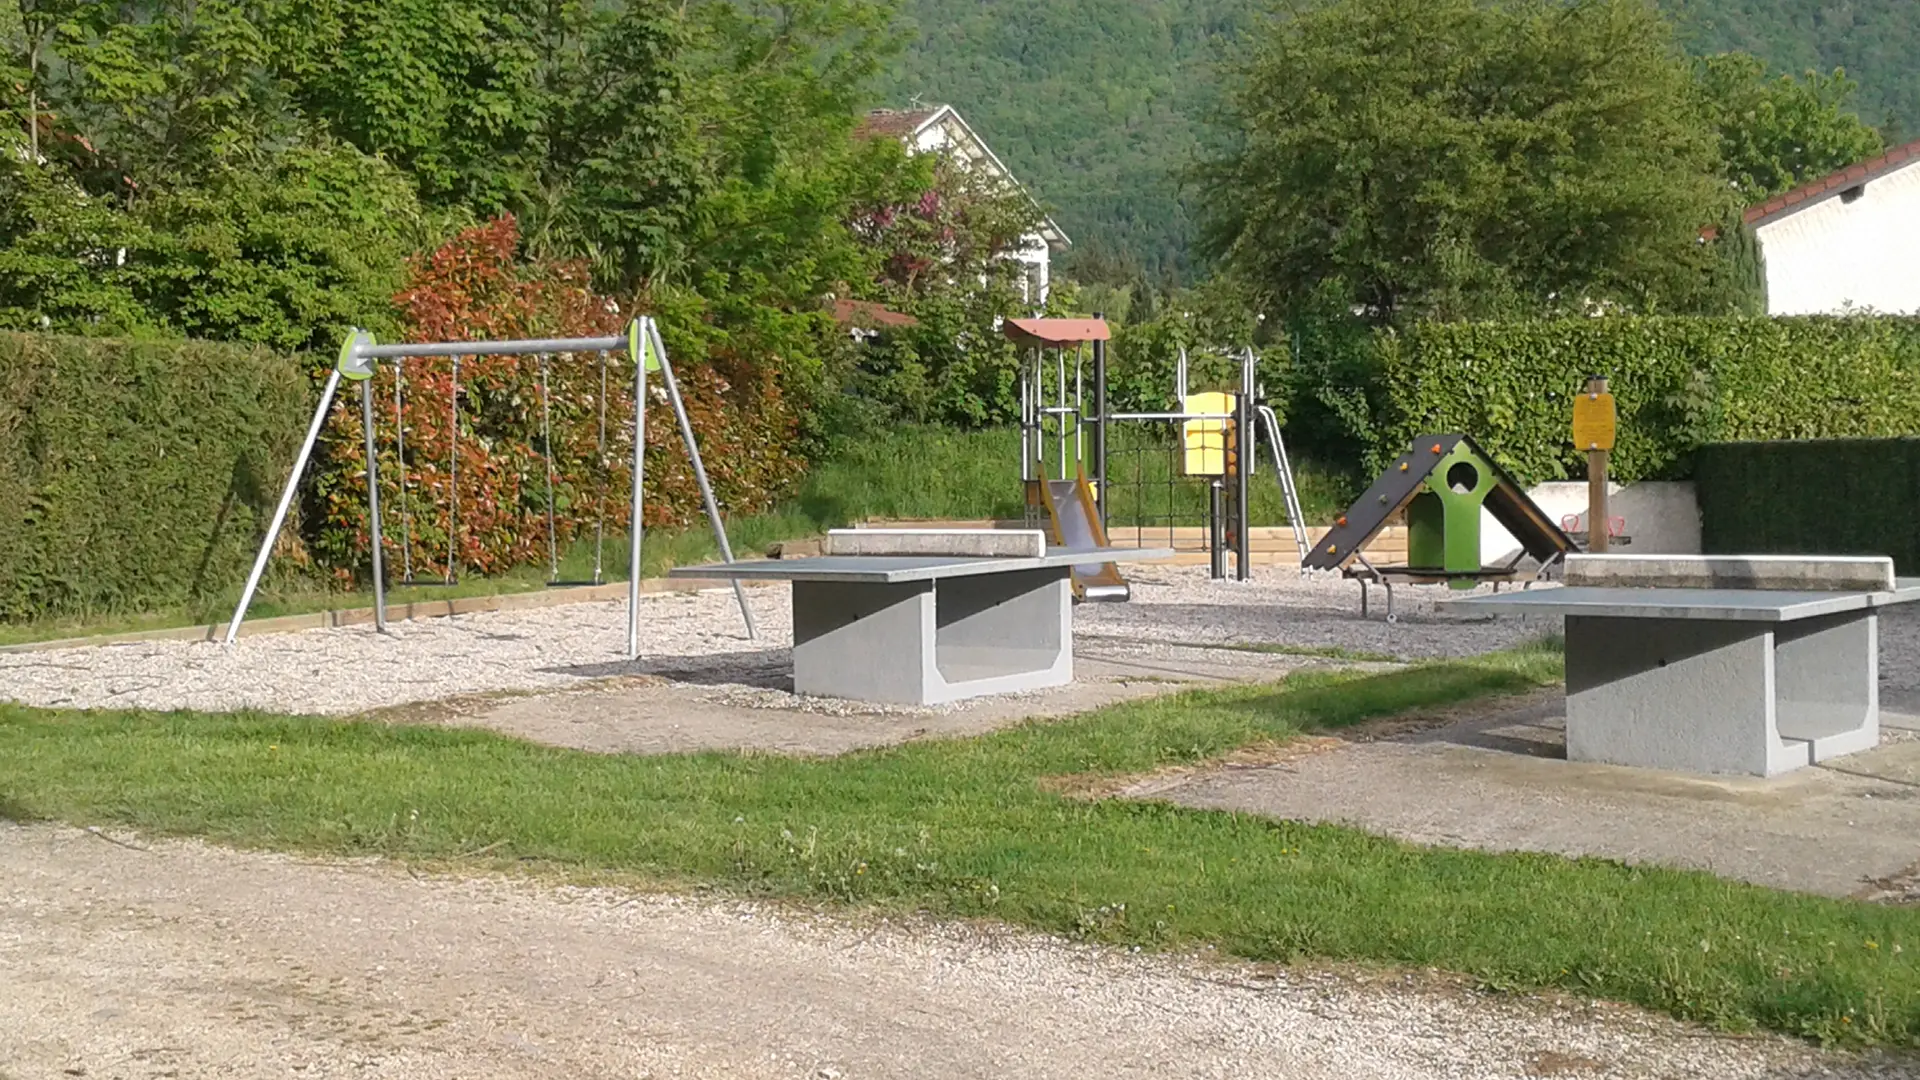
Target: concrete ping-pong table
927, 616
1717, 664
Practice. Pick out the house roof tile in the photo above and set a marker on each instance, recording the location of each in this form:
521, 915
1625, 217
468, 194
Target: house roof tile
1851, 177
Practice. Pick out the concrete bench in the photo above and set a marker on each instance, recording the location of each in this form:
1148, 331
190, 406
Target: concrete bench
1717, 664
927, 616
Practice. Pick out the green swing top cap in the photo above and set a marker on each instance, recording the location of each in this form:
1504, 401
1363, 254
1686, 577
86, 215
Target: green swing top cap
351, 364
637, 348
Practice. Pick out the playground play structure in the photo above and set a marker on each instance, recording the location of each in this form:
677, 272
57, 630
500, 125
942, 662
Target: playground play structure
359, 358
1067, 447
1441, 485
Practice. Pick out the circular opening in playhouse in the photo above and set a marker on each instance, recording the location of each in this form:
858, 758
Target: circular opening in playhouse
1463, 477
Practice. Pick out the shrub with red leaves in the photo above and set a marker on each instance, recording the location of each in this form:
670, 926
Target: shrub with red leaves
492, 461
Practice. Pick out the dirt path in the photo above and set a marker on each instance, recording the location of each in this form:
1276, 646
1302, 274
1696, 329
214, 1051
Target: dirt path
190, 961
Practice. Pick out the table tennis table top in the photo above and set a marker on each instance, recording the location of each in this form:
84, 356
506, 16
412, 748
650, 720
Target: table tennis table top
1725, 605
894, 569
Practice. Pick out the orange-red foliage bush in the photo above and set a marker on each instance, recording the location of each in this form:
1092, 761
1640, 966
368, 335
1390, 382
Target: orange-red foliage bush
477, 287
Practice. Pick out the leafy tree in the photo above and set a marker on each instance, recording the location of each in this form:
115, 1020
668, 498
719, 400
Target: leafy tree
569, 113
1455, 158
63, 252
1777, 133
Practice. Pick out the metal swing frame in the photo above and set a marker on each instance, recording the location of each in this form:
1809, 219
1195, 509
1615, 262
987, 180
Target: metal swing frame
359, 357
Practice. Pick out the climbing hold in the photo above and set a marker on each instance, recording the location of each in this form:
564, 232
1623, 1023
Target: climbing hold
1436, 448
1331, 549
1403, 466
1341, 521
1383, 500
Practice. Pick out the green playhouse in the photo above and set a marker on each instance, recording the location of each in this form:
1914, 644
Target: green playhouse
1441, 484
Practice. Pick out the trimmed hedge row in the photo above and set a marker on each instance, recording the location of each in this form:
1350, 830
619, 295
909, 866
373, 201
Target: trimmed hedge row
1820, 496
136, 475
1680, 383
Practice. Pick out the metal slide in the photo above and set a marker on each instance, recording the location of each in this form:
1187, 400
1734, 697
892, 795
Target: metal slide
1076, 527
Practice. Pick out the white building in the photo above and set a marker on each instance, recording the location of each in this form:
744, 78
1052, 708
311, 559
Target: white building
1848, 242
939, 129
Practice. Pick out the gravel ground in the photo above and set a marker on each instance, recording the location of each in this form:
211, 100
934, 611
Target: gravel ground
695, 637
698, 637
179, 959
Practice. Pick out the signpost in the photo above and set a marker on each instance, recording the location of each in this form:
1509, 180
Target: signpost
1593, 429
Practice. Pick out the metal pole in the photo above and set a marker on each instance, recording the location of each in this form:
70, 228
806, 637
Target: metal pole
1026, 456
639, 475
600, 459
1243, 472
453, 469
373, 507
1060, 402
286, 500
1100, 427
491, 348
1080, 408
546, 453
1216, 545
400, 453
700, 472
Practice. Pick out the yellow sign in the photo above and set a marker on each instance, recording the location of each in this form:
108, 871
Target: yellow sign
1593, 422
1206, 440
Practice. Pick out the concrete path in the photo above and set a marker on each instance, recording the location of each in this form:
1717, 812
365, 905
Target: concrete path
741, 702
1501, 782
181, 960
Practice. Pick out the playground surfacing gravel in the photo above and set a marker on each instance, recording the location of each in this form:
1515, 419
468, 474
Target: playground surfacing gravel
698, 640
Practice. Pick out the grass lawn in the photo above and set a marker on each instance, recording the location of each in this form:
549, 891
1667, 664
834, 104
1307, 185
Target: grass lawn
914, 473
971, 828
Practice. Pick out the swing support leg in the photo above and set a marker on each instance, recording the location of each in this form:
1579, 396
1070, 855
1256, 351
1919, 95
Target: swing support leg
286, 500
639, 486
699, 474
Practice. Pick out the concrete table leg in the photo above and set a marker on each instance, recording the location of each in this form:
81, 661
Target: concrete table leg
1691, 695
928, 642
1826, 675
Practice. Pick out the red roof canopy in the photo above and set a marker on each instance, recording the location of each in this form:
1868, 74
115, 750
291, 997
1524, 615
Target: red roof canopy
1046, 332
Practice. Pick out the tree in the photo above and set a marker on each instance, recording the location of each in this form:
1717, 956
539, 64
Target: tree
1455, 158
1777, 133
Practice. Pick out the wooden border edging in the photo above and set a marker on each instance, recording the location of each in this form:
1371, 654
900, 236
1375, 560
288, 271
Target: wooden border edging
530, 600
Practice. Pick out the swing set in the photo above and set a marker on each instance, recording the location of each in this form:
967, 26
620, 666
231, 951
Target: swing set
359, 357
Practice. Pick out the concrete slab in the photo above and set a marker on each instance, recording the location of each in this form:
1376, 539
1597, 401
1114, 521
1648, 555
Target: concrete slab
1789, 573
745, 702
1501, 782
976, 543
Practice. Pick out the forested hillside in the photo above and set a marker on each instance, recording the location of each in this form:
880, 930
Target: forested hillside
1098, 104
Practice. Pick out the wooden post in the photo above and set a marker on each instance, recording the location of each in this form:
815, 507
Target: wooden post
1597, 482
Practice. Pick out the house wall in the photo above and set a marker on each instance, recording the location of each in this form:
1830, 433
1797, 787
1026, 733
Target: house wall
1662, 517
948, 136
1836, 254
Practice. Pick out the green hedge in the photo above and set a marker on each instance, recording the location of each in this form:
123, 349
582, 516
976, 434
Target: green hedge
1680, 383
137, 475
1819, 496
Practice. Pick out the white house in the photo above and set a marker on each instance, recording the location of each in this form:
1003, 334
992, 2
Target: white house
1850, 241
939, 129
